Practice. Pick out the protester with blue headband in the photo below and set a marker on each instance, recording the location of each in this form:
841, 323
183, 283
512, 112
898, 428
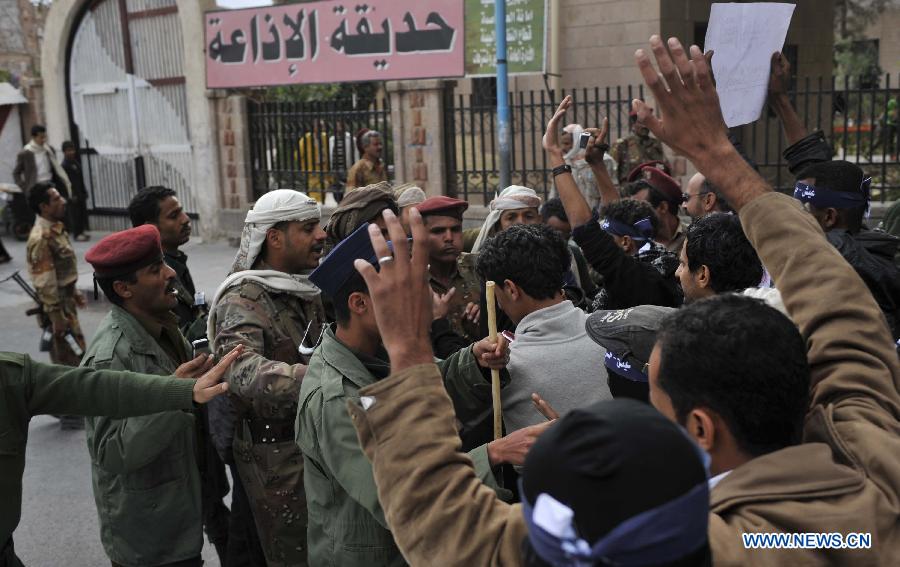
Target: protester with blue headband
836, 193
799, 416
632, 225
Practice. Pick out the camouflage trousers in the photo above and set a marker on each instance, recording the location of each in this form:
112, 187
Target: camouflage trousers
60, 351
272, 475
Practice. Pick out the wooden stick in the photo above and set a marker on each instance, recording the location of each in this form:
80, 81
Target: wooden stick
495, 374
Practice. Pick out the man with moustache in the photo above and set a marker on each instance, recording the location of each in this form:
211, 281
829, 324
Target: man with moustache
269, 305
451, 273
52, 265
159, 206
145, 475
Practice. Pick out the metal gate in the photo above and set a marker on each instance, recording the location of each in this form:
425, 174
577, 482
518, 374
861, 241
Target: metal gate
128, 102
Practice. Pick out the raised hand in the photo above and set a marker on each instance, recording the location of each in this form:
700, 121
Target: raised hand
691, 121
208, 386
597, 145
779, 75
400, 292
550, 140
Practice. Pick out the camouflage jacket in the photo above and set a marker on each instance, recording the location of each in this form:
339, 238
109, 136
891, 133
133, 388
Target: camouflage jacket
468, 290
51, 264
265, 382
264, 390
632, 151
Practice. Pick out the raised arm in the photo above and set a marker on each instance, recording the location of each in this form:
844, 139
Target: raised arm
794, 130
577, 208
851, 354
437, 508
593, 155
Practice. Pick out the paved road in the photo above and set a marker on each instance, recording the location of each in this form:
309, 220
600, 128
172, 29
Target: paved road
59, 520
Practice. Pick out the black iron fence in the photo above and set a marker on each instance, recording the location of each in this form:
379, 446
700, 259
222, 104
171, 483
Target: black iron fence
856, 121
311, 146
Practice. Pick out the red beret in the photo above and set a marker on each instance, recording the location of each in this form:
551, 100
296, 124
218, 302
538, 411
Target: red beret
655, 173
125, 252
436, 205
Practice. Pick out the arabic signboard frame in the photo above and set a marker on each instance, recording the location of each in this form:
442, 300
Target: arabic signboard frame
544, 50
449, 63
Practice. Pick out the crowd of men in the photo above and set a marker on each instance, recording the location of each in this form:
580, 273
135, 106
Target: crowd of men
666, 388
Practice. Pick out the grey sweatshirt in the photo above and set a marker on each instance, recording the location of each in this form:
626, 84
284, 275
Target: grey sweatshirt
554, 357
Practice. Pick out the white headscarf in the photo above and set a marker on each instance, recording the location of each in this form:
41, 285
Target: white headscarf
276, 206
511, 198
575, 130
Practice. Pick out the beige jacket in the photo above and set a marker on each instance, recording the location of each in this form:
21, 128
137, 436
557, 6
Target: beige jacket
844, 478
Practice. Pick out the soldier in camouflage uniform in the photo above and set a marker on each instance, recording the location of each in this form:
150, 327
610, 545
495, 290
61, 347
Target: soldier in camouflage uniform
52, 266
268, 305
635, 149
451, 268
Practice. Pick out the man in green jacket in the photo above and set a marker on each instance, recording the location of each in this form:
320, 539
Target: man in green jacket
145, 474
30, 388
346, 524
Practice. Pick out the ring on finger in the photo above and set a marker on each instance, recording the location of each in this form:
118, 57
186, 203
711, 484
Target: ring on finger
385, 259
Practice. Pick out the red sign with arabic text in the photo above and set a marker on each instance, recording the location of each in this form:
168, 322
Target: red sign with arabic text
330, 42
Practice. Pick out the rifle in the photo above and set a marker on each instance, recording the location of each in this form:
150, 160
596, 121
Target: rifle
43, 320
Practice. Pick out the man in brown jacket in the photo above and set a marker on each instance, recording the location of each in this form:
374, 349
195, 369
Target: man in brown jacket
842, 478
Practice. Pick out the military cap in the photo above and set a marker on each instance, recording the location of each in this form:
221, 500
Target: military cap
656, 174
337, 268
125, 252
442, 204
628, 335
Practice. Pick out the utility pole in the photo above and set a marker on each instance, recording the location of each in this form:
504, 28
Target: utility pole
502, 92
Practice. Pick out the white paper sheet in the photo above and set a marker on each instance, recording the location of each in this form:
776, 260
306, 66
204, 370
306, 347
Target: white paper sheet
744, 37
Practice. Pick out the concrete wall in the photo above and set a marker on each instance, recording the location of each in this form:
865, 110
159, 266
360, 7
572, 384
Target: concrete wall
887, 30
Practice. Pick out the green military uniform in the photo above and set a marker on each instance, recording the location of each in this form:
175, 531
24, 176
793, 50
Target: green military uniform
265, 384
186, 311
54, 273
468, 290
145, 475
30, 388
632, 151
213, 478
347, 527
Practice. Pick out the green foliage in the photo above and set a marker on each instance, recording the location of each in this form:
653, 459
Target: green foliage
857, 60
364, 93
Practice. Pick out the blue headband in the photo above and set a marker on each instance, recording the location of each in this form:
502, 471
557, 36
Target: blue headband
624, 368
641, 230
658, 535
822, 198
